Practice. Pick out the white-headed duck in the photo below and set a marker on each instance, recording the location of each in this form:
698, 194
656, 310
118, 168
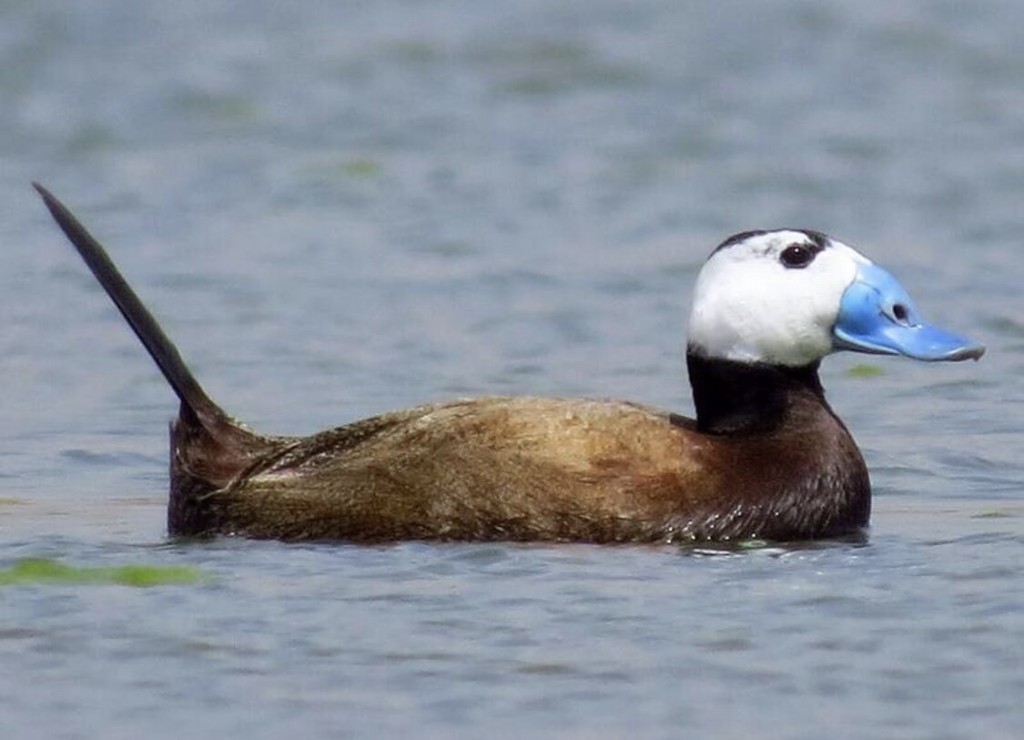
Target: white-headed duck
766, 457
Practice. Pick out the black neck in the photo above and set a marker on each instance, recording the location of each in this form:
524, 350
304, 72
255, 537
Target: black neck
737, 397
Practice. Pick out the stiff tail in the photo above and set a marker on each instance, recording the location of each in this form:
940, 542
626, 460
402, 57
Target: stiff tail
209, 449
159, 346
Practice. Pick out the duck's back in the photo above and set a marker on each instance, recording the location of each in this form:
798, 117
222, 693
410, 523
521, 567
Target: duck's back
520, 469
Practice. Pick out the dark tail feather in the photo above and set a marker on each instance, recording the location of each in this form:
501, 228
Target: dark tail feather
209, 449
159, 346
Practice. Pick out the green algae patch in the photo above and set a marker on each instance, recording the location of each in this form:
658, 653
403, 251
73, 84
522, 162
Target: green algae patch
361, 168
865, 371
993, 515
46, 571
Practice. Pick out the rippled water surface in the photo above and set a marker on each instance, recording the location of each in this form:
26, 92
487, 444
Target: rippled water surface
343, 208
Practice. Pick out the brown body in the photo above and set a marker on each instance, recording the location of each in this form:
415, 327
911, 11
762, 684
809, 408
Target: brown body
530, 469
766, 459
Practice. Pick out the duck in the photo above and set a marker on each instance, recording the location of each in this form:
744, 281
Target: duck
765, 459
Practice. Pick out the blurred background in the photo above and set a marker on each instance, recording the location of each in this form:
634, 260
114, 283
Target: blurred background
338, 209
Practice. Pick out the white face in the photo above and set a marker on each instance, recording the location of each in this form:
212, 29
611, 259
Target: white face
772, 297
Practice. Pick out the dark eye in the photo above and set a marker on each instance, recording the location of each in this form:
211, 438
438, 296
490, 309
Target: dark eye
797, 255
900, 313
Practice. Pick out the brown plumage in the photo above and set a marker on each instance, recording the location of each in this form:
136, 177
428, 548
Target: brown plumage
768, 459
537, 469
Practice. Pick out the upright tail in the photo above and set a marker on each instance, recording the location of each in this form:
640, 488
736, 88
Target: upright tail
159, 346
208, 447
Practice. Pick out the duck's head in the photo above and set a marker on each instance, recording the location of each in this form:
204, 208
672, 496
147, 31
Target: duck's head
790, 297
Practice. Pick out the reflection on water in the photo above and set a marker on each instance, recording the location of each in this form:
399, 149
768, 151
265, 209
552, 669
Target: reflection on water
345, 209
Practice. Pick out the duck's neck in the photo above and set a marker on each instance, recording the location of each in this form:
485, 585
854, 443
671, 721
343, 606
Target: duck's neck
739, 397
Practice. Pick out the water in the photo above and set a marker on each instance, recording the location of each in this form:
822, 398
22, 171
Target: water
339, 209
